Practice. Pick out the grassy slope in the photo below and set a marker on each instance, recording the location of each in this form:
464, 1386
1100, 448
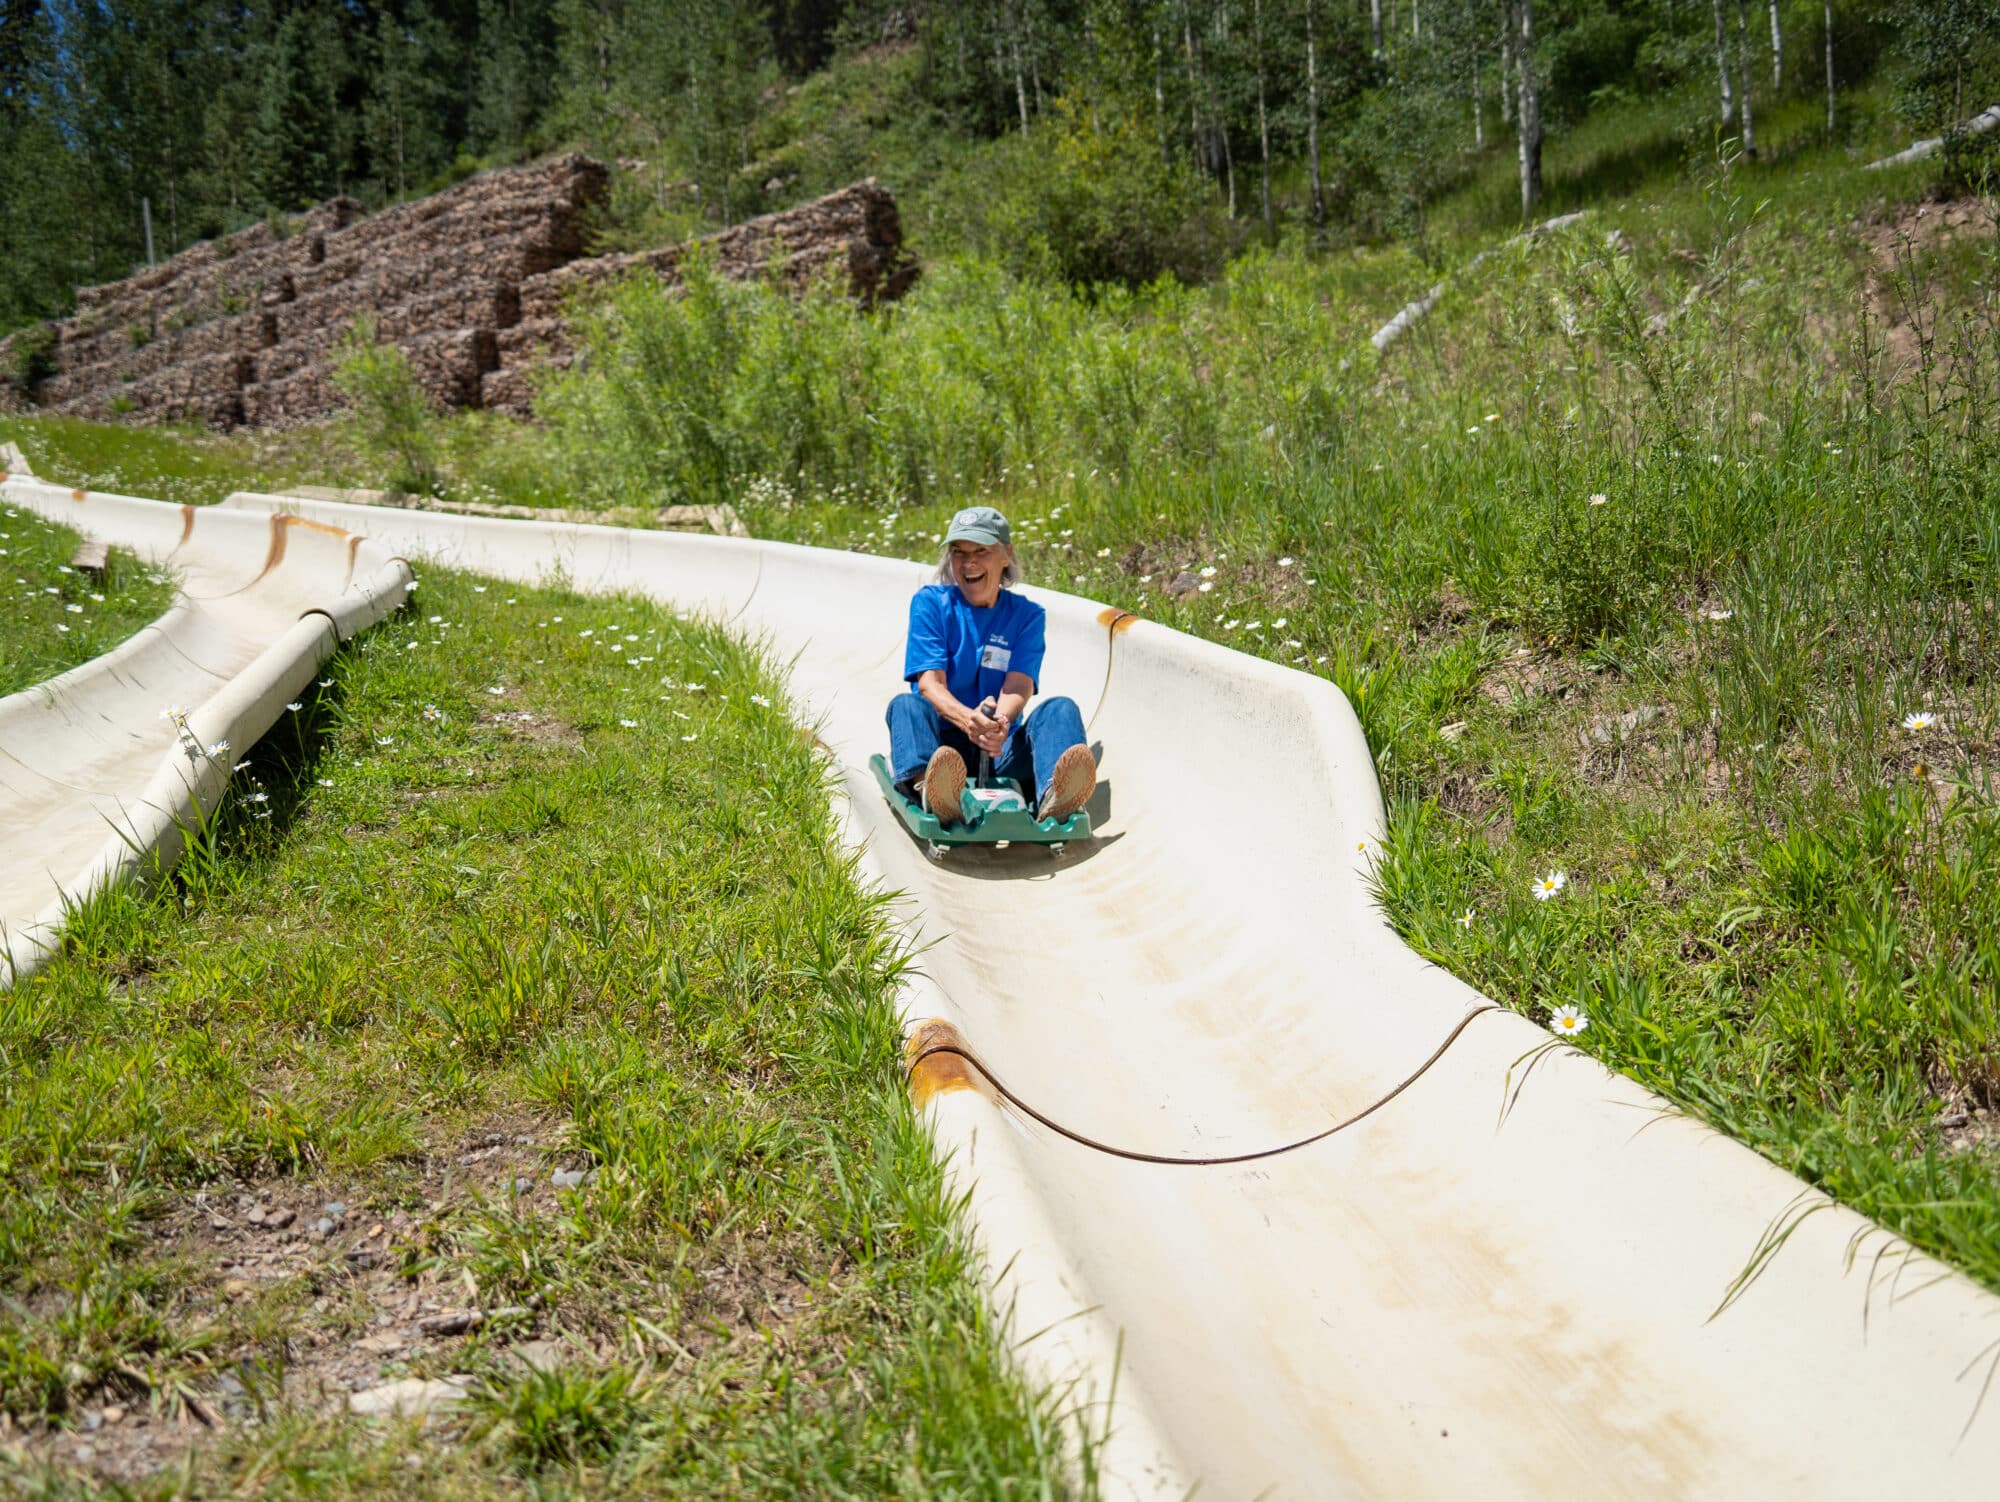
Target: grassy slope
532, 882
57, 617
1779, 905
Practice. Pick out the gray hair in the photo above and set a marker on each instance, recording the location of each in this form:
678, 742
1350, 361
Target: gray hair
1010, 575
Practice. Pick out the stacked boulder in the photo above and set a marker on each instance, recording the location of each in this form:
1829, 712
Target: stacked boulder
853, 236
473, 284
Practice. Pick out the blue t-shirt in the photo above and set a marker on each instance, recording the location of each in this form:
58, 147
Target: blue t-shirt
977, 649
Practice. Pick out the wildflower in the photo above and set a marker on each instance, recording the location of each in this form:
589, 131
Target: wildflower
479, 589
1104, 552
1284, 563
432, 712
98, 598
62, 628
220, 748
411, 646
385, 740
688, 737
1364, 847
436, 619
1720, 615
495, 689
1206, 585
1465, 918
760, 701
325, 782
1208, 572
1547, 886
1920, 720
410, 588
326, 683
1598, 499
259, 797
295, 706
1473, 430
176, 712
630, 724
1492, 416
1567, 1022
1279, 623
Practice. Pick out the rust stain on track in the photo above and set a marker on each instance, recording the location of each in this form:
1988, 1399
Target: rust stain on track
940, 1072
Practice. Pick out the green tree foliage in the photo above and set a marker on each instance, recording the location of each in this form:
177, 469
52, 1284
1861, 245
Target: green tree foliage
1092, 139
294, 124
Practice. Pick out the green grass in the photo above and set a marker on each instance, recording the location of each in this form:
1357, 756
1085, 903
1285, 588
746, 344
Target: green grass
59, 617
530, 882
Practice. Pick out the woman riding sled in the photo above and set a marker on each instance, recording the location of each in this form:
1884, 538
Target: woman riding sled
973, 659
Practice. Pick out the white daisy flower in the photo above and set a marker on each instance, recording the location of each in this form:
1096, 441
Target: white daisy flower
1465, 918
1547, 886
630, 724
1209, 572
1567, 1022
295, 706
1720, 615
1919, 720
1599, 498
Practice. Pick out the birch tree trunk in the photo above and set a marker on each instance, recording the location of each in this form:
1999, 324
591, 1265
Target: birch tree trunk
1722, 65
1375, 23
1777, 51
1531, 116
1312, 122
1478, 109
1743, 76
1829, 67
1263, 123
1506, 66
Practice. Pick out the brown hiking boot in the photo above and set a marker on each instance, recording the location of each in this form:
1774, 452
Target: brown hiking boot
943, 781
1074, 780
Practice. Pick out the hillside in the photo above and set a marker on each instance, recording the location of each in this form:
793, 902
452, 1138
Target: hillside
1658, 559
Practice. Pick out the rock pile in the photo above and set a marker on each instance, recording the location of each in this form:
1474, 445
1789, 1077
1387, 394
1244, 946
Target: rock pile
473, 284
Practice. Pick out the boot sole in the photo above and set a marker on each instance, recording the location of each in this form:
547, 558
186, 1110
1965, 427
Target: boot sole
1074, 780
944, 781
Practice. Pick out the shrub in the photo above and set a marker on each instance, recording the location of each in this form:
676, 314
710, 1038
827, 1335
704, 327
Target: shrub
392, 419
31, 357
1087, 198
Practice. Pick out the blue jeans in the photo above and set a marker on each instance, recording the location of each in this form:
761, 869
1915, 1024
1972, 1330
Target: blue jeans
1028, 757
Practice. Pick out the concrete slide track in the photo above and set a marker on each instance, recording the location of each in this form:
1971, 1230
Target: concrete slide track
1438, 1302
93, 781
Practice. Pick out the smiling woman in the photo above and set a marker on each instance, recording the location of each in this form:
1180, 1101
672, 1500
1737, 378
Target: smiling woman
973, 658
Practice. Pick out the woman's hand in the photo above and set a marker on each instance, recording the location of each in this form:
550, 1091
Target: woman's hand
986, 727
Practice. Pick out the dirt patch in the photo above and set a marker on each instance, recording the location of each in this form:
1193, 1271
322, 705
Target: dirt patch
315, 1290
1896, 240
535, 729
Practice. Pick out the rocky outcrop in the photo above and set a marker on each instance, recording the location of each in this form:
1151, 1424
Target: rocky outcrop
474, 284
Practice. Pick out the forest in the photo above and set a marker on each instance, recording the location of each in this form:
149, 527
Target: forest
1097, 139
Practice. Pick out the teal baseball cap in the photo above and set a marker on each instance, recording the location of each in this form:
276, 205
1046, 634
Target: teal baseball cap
981, 524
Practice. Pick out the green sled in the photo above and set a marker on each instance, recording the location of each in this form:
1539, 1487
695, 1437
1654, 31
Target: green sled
979, 824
